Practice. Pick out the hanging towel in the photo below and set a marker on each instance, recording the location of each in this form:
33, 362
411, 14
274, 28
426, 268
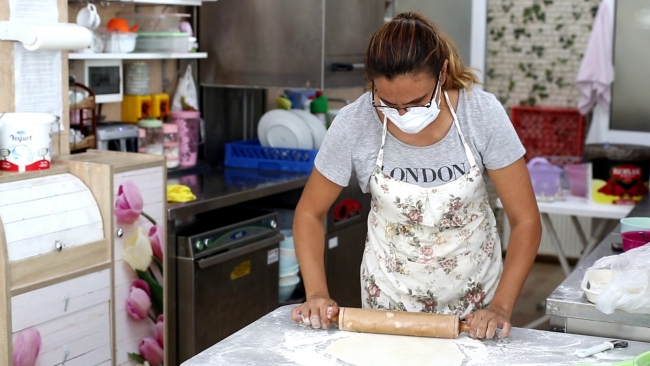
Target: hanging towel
596, 72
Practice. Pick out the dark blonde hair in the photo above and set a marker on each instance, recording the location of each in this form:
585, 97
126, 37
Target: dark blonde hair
411, 44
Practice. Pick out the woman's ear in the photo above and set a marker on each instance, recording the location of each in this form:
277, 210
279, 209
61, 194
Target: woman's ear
443, 72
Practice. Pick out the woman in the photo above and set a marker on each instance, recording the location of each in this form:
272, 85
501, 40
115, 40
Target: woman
419, 142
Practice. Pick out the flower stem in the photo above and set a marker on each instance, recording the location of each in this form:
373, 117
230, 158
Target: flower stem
153, 319
151, 273
148, 217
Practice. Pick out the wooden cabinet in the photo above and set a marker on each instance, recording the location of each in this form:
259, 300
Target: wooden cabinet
72, 317
148, 174
62, 272
151, 183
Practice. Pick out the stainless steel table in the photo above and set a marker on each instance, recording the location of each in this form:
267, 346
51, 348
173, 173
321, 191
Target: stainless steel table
276, 340
571, 312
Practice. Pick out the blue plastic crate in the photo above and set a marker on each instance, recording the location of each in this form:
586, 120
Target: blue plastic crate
250, 154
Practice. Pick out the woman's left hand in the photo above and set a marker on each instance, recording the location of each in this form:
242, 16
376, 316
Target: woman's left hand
484, 323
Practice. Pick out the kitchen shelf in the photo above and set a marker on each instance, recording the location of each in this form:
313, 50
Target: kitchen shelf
154, 2
136, 56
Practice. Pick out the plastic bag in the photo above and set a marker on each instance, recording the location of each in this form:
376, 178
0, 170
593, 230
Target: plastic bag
185, 97
629, 289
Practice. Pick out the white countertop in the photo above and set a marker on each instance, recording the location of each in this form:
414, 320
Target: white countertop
275, 339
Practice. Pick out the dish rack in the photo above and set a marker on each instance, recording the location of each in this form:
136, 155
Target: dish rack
251, 154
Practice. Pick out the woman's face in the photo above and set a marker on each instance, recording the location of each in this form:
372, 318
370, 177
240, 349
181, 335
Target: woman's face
405, 91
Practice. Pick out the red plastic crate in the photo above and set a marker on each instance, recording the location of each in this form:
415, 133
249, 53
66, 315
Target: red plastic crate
546, 131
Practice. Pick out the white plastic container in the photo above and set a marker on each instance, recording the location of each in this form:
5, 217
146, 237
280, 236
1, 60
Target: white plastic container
119, 42
162, 42
26, 141
155, 22
593, 281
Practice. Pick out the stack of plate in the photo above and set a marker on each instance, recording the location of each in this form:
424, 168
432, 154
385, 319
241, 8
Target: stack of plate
295, 129
137, 79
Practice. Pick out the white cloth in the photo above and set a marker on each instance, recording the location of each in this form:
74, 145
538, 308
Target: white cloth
430, 249
596, 72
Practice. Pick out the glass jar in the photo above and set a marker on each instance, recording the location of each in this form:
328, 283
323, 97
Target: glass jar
142, 140
153, 135
171, 144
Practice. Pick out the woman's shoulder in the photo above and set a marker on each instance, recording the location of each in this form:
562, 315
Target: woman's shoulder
360, 107
479, 98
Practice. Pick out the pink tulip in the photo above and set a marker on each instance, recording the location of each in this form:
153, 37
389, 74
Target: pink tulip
160, 331
151, 351
26, 347
156, 239
128, 205
138, 303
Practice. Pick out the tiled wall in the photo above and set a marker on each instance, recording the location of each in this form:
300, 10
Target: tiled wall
534, 49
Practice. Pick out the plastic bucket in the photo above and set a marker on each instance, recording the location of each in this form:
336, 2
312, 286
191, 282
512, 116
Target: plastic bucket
26, 141
577, 179
635, 224
544, 176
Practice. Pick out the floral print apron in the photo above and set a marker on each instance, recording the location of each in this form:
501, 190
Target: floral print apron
433, 250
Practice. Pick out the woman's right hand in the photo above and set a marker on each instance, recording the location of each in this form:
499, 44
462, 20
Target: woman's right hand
316, 311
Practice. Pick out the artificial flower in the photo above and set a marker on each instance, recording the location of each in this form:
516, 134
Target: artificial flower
137, 250
156, 239
138, 303
151, 351
26, 347
160, 331
129, 203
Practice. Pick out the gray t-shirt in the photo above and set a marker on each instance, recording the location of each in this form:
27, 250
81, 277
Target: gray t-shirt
354, 138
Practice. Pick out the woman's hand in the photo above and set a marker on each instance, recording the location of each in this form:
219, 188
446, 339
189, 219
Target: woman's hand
484, 323
316, 311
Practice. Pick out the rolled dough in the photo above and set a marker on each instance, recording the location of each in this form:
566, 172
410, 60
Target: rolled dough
366, 349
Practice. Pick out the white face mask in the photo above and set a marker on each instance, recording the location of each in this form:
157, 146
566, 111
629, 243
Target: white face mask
416, 119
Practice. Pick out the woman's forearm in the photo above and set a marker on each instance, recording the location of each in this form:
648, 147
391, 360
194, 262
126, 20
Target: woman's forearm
522, 250
309, 240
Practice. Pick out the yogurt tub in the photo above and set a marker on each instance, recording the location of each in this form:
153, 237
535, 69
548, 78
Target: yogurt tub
26, 141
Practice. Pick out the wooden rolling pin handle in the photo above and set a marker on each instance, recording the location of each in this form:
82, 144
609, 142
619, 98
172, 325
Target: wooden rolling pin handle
463, 328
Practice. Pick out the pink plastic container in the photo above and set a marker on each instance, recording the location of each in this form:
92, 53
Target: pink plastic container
190, 131
544, 176
577, 179
634, 239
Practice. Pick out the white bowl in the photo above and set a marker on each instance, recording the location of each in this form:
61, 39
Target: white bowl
593, 281
287, 259
285, 290
287, 243
289, 278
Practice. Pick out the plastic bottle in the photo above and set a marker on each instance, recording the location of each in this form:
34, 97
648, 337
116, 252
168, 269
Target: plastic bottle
171, 145
142, 140
318, 107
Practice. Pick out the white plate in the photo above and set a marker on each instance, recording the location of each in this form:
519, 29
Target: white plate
284, 129
315, 126
264, 122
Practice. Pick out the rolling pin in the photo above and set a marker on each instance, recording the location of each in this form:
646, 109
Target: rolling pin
400, 323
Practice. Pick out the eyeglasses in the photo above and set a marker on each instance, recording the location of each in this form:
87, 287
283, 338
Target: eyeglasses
417, 109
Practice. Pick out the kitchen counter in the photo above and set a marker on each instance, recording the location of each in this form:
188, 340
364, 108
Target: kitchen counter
275, 339
571, 312
220, 187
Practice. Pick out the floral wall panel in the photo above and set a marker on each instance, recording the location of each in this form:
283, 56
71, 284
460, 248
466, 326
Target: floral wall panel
534, 50
139, 212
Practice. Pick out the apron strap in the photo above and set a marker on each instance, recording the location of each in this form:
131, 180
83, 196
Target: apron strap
380, 156
468, 152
